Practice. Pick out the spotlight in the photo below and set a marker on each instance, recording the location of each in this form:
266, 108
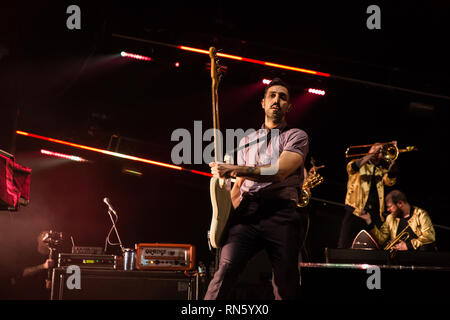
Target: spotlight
316, 91
63, 156
132, 172
177, 64
266, 81
134, 56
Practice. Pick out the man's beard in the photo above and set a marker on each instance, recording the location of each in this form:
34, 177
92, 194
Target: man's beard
276, 115
397, 213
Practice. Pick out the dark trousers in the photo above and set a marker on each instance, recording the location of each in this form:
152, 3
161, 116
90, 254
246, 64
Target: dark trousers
256, 225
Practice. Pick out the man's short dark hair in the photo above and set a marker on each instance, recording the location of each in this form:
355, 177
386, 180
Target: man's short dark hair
277, 82
396, 196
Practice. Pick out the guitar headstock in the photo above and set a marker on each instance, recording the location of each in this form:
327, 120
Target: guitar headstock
216, 72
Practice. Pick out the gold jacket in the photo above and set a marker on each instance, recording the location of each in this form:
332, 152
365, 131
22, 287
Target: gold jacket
358, 186
420, 223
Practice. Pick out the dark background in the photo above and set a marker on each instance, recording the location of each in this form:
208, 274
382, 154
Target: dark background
73, 85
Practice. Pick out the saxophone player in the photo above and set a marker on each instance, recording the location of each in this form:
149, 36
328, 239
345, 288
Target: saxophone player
403, 217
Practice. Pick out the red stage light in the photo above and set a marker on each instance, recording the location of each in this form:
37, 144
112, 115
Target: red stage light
266, 81
115, 154
316, 91
135, 56
177, 64
62, 155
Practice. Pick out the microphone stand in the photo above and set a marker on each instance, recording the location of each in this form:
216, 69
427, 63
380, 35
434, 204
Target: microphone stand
49, 279
53, 240
113, 227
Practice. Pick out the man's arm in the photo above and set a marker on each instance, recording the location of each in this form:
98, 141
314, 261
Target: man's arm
390, 177
427, 233
287, 163
381, 235
29, 271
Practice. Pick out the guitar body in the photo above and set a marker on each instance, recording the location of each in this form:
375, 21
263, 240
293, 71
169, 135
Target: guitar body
221, 208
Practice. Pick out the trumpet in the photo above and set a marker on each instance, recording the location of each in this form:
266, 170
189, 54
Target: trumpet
402, 236
389, 150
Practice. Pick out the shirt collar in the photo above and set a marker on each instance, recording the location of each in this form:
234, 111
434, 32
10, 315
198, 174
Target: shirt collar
280, 127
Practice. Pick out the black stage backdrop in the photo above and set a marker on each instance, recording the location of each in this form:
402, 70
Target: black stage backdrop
73, 85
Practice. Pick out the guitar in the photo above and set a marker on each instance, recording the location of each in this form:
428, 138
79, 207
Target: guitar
219, 188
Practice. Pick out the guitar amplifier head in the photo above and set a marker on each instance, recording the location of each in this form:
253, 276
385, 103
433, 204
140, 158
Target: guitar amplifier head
165, 256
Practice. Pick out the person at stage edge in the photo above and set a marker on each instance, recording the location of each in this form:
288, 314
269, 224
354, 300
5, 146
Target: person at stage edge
367, 178
19, 280
421, 230
265, 215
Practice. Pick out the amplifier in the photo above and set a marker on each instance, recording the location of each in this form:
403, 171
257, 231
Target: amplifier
98, 284
87, 250
88, 261
165, 256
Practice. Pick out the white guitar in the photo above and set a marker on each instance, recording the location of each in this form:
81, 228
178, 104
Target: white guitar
219, 188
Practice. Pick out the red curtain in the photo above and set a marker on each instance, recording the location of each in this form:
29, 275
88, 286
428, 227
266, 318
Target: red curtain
14, 184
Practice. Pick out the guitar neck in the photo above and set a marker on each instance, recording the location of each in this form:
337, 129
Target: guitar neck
215, 71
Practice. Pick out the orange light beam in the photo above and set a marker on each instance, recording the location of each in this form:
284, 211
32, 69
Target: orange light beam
224, 55
274, 65
266, 63
115, 154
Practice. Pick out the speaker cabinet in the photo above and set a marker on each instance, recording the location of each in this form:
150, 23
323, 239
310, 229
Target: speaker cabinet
123, 285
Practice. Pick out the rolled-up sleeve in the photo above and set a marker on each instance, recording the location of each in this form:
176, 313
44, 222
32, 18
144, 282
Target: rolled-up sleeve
297, 141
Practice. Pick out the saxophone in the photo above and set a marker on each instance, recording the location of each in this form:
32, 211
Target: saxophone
313, 180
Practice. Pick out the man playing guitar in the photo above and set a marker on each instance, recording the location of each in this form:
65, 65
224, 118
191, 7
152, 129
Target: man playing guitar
264, 196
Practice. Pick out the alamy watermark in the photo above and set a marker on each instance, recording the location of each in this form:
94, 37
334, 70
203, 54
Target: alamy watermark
74, 20
374, 20
374, 281
74, 280
253, 144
